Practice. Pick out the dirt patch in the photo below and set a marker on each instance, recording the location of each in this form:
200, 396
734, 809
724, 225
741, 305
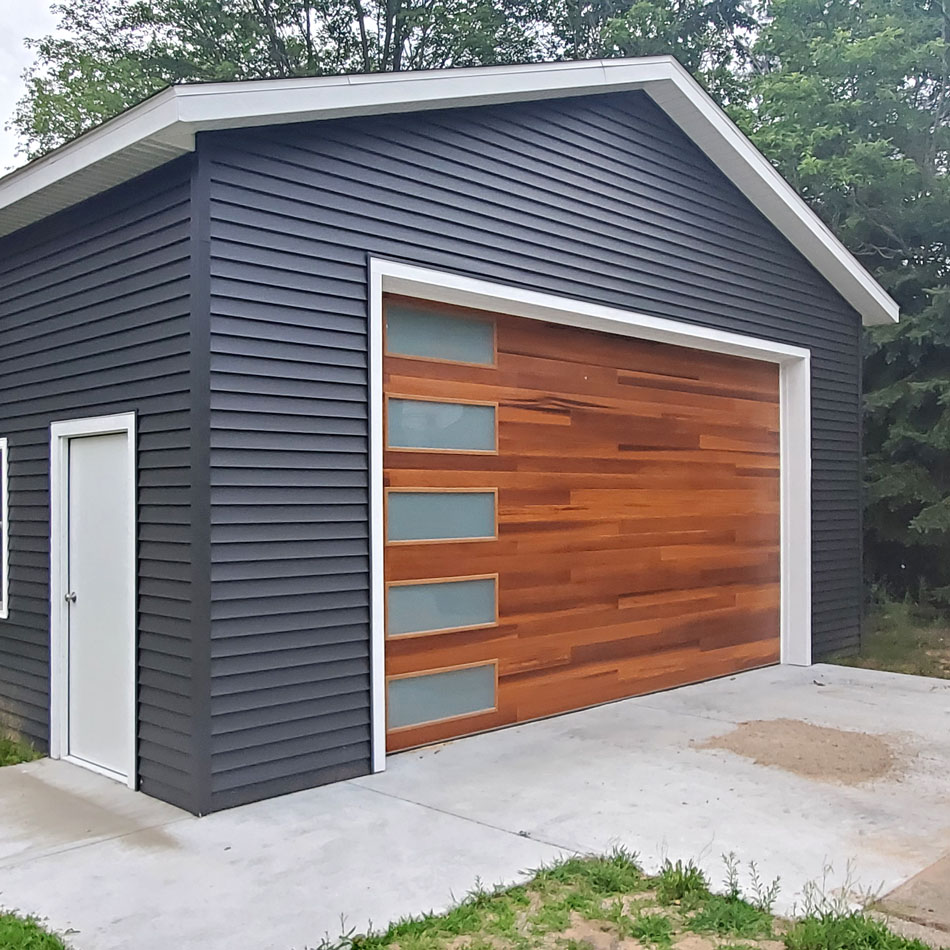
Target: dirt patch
695, 942
593, 935
815, 752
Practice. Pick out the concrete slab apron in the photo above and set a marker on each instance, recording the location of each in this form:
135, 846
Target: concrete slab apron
628, 774
279, 874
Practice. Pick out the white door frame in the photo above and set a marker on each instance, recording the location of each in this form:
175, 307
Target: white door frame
60, 433
794, 413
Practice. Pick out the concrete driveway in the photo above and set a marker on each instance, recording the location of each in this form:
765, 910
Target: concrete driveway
658, 774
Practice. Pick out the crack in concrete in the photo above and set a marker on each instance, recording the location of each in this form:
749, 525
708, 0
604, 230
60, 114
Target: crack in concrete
526, 835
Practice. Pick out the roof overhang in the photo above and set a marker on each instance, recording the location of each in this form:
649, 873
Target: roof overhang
164, 127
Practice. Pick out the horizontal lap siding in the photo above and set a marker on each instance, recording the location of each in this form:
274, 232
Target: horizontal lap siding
94, 319
601, 199
289, 534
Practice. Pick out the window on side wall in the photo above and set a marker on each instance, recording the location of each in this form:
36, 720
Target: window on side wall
4, 530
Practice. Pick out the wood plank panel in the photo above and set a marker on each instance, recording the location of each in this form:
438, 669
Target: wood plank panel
638, 519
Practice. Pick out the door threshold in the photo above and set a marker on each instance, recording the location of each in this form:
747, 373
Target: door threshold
98, 769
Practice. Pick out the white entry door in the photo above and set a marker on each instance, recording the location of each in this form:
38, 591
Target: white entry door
97, 602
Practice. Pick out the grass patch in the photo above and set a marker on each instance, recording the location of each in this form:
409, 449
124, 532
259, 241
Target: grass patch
731, 916
582, 903
679, 883
846, 932
615, 873
652, 929
903, 638
26, 933
14, 751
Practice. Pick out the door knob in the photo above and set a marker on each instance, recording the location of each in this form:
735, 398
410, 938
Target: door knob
71, 597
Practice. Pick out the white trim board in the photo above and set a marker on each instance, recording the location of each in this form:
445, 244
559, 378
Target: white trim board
60, 433
4, 529
795, 432
164, 127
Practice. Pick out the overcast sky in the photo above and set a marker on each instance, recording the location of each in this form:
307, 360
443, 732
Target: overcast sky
18, 19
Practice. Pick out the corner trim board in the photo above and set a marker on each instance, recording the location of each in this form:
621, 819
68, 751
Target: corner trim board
794, 364
60, 433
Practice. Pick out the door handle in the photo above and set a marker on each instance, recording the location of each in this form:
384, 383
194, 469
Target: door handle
70, 597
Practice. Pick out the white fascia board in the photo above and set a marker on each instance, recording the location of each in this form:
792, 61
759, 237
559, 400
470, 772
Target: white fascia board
269, 102
170, 120
156, 118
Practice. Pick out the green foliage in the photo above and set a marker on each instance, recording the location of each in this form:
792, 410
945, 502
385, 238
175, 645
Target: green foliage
763, 896
108, 55
709, 37
26, 933
731, 916
904, 638
680, 882
616, 872
15, 751
550, 917
651, 929
845, 932
851, 100
538, 914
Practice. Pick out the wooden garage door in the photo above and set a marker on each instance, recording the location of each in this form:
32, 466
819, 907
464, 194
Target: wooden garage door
571, 517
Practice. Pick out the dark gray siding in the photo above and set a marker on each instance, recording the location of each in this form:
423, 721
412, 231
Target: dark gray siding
95, 319
600, 198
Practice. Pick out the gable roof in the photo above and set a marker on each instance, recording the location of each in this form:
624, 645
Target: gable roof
164, 127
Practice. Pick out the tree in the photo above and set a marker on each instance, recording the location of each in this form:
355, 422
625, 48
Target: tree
709, 37
111, 54
851, 100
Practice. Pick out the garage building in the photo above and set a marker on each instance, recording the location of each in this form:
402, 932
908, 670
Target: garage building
349, 414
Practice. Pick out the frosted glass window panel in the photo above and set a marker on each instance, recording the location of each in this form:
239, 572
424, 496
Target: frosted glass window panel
444, 605
433, 696
414, 331
439, 516
452, 426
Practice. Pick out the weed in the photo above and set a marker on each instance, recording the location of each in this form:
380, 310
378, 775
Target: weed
26, 933
551, 917
820, 900
616, 872
347, 939
582, 903
654, 929
609, 891
731, 861
851, 931
502, 918
680, 882
764, 895
14, 751
731, 916
615, 914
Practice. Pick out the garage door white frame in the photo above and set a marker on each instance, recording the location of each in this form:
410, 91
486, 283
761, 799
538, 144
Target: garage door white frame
794, 412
